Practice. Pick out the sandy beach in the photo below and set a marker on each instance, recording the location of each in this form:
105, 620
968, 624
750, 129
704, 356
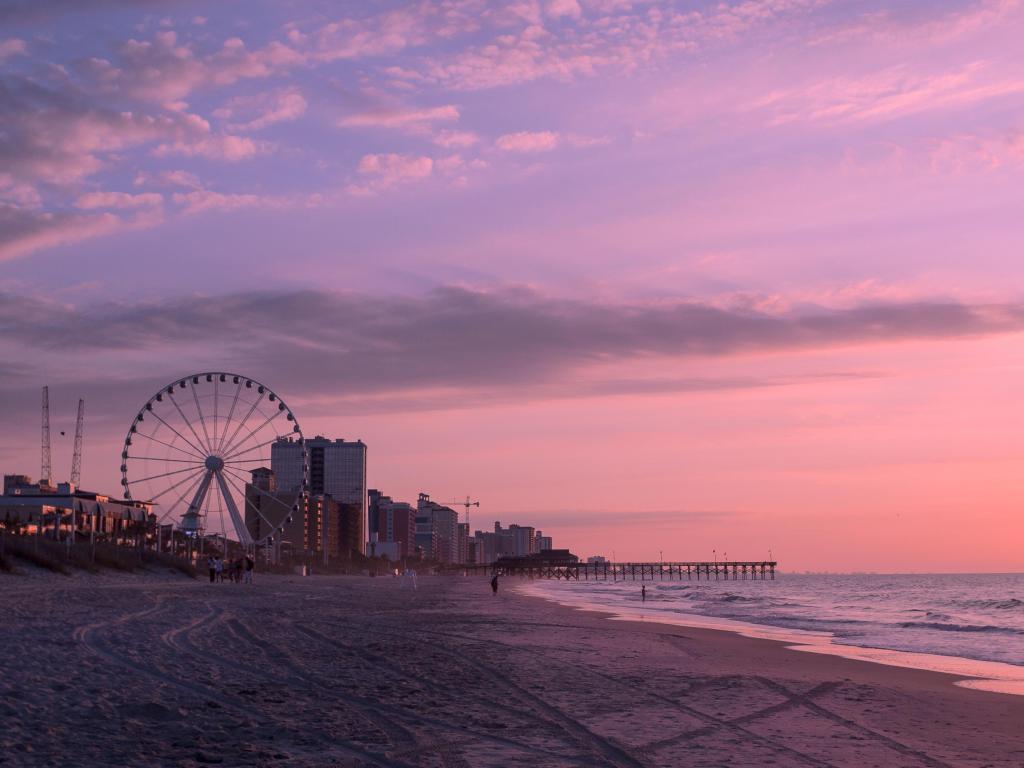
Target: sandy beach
349, 671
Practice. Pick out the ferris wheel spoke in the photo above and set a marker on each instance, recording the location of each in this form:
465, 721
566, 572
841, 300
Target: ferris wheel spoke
199, 410
253, 448
216, 398
199, 450
188, 423
193, 462
181, 497
241, 423
165, 474
203, 508
231, 412
253, 432
223, 527
252, 506
169, 445
178, 484
259, 490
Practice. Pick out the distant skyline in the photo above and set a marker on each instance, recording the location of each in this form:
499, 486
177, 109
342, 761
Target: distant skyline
650, 276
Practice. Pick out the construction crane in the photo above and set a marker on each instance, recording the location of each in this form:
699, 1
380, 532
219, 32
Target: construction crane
46, 471
467, 504
76, 457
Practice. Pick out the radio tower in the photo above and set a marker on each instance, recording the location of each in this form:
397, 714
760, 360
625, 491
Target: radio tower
76, 458
46, 472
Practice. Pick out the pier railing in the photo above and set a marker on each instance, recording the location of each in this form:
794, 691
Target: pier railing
677, 571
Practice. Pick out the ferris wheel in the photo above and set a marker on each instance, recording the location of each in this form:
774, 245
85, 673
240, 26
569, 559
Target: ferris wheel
196, 447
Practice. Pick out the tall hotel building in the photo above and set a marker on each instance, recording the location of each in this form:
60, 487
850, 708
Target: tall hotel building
337, 468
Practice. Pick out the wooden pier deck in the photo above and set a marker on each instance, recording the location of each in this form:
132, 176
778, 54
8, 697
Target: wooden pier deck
760, 570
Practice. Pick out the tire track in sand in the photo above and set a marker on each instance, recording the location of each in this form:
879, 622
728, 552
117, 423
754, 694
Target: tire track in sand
88, 635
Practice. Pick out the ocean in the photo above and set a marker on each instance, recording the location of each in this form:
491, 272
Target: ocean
925, 620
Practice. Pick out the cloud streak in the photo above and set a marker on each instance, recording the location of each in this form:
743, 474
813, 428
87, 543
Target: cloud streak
464, 340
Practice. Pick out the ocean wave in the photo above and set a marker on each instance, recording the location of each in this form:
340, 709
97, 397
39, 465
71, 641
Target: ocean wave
1007, 604
944, 627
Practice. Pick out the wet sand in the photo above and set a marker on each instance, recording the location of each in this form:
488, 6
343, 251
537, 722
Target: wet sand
348, 671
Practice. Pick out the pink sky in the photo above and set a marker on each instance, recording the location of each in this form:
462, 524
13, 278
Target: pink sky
653, 277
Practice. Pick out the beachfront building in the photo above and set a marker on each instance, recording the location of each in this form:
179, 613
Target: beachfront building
462, 543
437, 528
57, 510
392, 522
337, 468
514, 541
542, 542
317, 528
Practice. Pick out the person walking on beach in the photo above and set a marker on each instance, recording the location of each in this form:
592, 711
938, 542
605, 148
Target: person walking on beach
218, 565
212, 567
249, 566
494, 583
238, 571
643, 593
408, 579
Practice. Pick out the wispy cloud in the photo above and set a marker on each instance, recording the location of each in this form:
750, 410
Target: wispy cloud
402, 118
12, 46
23, 231
203, 200
527, 141
92, 200
891, 93
253, 113
378, 172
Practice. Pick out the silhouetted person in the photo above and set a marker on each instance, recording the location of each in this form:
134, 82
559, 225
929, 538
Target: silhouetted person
212, 566
643, 593
249, 566
494, 583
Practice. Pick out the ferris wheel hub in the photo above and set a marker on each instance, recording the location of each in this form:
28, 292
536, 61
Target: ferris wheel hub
214, 463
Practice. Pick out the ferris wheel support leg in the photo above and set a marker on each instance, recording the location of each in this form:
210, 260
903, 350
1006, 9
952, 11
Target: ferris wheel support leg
190, 520
239, 522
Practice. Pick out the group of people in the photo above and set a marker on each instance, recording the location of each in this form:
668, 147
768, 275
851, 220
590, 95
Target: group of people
238, 570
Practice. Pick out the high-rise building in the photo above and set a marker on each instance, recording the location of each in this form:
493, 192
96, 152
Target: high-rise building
337, 468
314, 528
514, 541
522, 539
462, 539
437, 525
542, 542
393, 521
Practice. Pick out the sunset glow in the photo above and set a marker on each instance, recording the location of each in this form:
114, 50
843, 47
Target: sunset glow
658, 277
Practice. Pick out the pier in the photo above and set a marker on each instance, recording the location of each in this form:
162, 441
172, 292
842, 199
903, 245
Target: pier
761, 570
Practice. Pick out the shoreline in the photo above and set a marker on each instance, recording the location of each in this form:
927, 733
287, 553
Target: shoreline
964, 672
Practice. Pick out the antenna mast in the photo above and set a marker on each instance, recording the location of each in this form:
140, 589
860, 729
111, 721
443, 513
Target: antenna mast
76, 459
46, 471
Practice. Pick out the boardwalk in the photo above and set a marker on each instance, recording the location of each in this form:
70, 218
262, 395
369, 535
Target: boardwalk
685, 571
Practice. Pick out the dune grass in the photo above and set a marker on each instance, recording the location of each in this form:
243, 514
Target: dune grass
58, 557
